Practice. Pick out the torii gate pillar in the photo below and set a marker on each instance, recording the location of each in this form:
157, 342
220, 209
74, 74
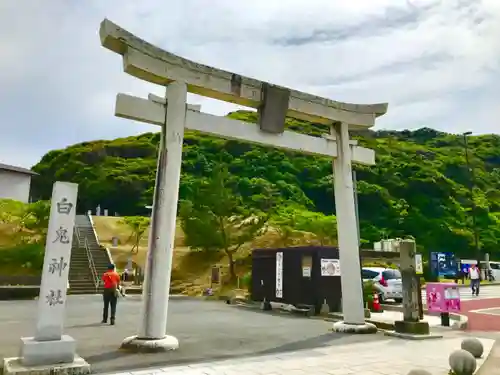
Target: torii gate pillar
156, 289
348, 241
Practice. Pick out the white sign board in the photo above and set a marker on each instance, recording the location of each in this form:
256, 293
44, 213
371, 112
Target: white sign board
306, 271
52, 298
279, 275
330, 267
419, 264
451, 293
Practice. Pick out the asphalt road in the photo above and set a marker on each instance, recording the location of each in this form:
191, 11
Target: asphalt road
207, 330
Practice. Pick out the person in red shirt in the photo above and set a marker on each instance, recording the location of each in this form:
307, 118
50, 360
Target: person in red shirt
111, 281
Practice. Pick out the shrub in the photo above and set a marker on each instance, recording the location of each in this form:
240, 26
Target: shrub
380, 264
246, 281
27, 256
368, 291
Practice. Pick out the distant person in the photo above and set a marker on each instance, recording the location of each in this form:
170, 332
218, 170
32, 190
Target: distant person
111, 281
475, 279
125, 275
125, 281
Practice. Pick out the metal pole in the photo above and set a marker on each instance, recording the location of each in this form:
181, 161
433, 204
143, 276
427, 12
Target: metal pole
473, 203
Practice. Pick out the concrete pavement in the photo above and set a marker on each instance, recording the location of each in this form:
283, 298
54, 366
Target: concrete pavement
207, 331
389, 357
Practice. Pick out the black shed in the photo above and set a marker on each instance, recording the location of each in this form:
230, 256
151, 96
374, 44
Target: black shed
306, 275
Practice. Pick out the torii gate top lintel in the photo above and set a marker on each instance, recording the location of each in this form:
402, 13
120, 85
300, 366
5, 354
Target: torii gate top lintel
150, 63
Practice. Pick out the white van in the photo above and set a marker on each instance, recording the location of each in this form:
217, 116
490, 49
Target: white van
495, 269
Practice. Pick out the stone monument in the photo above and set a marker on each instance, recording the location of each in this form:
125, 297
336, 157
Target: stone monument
411, 323
273, 103
50, 350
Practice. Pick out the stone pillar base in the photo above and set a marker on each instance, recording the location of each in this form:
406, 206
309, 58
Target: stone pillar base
14, 366
365, 328
146, 345
415, 328
37, 353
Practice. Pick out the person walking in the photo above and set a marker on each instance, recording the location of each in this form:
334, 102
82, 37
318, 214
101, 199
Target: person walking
111, 281
475, 279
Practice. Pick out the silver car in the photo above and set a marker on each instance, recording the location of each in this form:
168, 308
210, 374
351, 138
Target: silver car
387, 282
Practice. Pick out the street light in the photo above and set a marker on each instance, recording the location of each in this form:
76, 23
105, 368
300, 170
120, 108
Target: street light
472, 183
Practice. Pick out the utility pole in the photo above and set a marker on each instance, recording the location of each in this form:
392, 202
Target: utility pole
472, 184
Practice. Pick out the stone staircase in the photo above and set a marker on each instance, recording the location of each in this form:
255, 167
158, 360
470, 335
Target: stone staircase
88, 259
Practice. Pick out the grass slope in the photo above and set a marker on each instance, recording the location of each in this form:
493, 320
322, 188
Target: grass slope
191, 269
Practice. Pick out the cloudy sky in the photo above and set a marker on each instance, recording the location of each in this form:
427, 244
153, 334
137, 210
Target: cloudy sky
437, 62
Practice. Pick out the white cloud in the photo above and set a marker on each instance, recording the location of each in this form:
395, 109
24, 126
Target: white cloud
435, 61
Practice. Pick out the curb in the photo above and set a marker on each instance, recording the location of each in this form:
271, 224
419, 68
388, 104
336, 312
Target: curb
490, 363
460, 322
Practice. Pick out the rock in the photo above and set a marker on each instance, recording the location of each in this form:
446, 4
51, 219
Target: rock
419, 372
473, 346
462, 362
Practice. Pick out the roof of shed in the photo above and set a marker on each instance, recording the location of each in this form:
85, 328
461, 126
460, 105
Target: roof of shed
12, 168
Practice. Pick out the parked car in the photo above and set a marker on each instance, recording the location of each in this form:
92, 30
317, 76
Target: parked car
387, 282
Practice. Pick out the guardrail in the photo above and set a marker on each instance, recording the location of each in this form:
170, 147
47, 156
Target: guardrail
90, 258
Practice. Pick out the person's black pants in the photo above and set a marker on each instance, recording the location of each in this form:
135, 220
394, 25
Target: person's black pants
474, 284
110, 299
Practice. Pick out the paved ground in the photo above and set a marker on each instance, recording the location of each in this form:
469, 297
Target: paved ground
483, 314
390, 357
206, 330
492, 365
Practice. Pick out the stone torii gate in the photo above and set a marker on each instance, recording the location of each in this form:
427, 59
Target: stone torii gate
274, 103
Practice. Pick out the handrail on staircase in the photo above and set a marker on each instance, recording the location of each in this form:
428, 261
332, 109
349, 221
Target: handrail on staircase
90, 258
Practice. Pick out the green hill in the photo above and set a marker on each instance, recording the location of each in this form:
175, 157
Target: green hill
419, 187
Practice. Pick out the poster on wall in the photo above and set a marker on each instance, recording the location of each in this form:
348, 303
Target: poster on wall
419, 264
443, 264
306, 271
330, 267
279, 275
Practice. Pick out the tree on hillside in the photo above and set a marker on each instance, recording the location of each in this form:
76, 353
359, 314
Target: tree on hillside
36, 218
324, 227
286, 223
215, 219
138, 226
29, 221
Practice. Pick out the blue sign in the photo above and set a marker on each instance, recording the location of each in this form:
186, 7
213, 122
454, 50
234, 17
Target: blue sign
444, 264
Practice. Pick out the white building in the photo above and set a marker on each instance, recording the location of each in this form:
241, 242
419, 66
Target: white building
15, 183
